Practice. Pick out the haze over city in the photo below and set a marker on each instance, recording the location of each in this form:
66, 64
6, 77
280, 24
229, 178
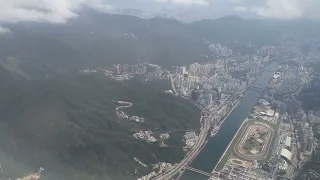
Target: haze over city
159, 89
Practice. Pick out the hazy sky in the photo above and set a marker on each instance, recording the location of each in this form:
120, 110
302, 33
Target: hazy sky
59, 11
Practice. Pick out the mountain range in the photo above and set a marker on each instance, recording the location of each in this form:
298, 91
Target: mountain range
54, 116
96, 38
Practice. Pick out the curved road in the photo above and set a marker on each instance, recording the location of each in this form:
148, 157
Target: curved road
128, 104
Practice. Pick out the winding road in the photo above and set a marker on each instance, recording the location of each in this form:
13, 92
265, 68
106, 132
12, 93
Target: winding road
124, 105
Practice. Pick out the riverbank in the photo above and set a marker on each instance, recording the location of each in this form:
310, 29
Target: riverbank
209, 157
225, 152
238, 101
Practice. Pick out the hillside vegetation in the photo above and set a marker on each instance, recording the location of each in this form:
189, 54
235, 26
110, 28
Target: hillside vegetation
73, 121
51, 115
104, 39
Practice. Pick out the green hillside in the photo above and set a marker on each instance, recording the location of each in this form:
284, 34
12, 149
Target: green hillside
73, 121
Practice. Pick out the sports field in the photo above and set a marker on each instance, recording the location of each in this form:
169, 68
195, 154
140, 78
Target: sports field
241, 147
254, 142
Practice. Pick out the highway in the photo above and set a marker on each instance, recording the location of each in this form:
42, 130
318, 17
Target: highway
172, 83
205, 125
192, 153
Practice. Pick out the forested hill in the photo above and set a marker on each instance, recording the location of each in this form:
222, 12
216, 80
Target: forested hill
96, 38
53, 116
68, 125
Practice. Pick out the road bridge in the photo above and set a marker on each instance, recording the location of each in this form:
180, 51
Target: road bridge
256, 89
199, 171
190, 155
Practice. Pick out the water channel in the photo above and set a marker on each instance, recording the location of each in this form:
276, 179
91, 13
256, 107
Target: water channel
214, 149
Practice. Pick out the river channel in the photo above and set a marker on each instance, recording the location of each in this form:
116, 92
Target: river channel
214, 149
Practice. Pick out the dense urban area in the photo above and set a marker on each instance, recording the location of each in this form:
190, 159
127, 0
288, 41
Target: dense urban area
150, 119
278, 138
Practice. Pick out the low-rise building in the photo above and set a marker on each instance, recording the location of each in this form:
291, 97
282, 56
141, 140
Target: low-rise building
286, 155
287, 143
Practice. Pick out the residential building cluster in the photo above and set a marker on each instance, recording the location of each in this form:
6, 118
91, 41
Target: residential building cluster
139, 162
219, 50
212, 76
121, 72
220, 75
305, 133
86, 71
164, 136
312, 118
238, 172
159, 168
137, 119
219, 111
129, 69
249, 63
145, 135
289, 78
123, 115
214, 85
264, 112
266, 50
198, 69
190, 139
225, 83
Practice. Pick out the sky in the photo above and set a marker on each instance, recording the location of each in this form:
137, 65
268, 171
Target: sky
60, 11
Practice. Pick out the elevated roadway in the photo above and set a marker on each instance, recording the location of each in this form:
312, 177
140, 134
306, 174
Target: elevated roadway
199, 171
172, 83
192, 153
205, 125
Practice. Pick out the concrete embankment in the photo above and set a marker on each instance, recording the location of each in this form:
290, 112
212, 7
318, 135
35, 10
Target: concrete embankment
225, 152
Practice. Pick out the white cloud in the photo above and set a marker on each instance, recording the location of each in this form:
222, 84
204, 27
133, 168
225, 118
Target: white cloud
59, 11
190, 2
240, 8
185, 2
99, 5
53, 11
289, 9
4, 30
161, 1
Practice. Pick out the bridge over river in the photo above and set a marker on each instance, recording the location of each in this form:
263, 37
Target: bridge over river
214, 149
199, 171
